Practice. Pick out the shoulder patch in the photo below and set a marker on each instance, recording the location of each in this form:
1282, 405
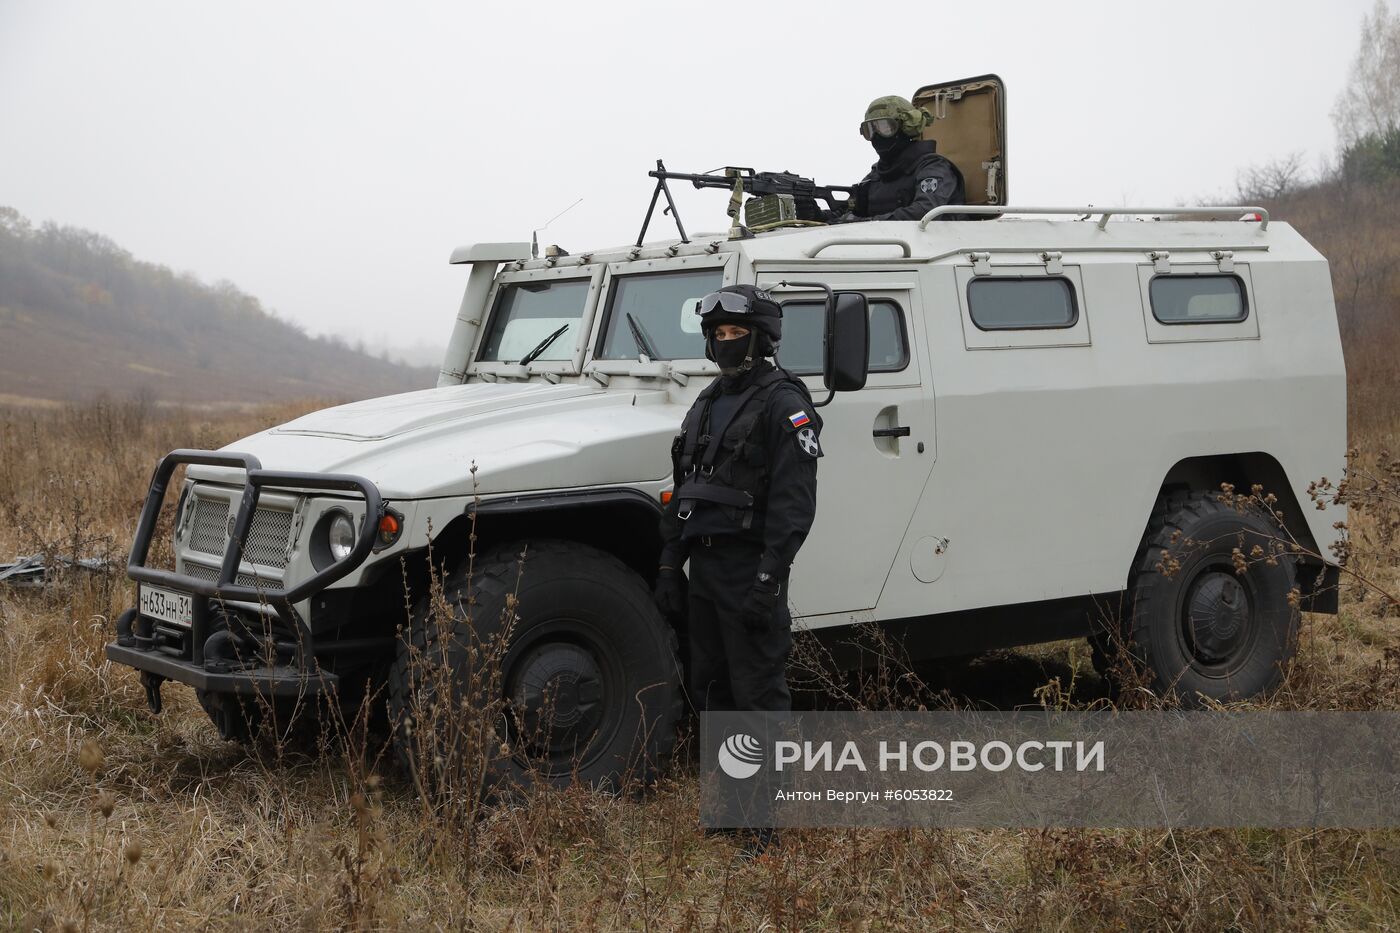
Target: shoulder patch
807, 443
798, 418
928, 185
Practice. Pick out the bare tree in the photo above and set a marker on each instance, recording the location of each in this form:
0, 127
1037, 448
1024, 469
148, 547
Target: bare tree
1272, 179
1369, 104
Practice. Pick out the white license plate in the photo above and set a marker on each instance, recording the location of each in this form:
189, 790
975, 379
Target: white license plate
166, 605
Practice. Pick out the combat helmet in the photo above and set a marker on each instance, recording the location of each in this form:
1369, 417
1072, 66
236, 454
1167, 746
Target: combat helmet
891, 114
747, 306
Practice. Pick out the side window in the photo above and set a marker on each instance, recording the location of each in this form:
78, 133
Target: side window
1029, 303
1198, 299
803, 325
660, 307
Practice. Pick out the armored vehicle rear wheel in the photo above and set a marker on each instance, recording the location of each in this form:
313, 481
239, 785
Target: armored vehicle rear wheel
583, 683
1211, 616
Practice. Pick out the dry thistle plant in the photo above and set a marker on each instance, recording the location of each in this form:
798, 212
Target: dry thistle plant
884, 678
448, 706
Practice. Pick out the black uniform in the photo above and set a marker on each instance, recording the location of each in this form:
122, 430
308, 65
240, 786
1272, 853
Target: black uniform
908, 183
745, 469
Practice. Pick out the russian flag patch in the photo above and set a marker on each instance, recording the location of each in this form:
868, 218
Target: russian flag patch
798, 419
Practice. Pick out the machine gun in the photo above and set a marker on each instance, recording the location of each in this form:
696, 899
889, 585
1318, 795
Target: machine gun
779, 198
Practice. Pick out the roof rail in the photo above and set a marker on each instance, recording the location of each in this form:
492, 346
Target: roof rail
859, 241
1105, 212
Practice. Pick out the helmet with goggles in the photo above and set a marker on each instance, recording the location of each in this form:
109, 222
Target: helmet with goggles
889, 115
885, 126
745, 305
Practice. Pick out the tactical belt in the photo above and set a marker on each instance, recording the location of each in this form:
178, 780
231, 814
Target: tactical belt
692, 492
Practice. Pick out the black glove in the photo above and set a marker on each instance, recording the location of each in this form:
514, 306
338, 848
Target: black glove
838, 217
670, 592
758, 607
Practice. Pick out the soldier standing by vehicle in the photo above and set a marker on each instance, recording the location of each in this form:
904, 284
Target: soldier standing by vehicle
745, 470
910, 178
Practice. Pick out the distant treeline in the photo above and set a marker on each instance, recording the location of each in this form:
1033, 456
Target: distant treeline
139, 317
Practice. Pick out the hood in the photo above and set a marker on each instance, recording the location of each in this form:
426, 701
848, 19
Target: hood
380, 418
519, 436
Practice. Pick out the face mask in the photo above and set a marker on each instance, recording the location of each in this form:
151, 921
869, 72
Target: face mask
730, 354
884, 145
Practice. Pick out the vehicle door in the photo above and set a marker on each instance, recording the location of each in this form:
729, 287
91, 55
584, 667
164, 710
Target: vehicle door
877, 444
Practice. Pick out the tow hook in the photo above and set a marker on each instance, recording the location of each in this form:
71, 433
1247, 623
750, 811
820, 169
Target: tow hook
152, 684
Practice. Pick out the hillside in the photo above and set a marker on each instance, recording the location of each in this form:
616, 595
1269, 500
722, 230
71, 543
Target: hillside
79, 316
1356, 226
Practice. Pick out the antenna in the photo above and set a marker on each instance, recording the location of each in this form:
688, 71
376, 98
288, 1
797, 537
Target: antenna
534, 238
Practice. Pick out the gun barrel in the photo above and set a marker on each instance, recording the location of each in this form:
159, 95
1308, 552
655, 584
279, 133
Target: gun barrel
761, 183
705, 180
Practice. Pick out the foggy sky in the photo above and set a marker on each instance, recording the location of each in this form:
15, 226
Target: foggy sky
327, 157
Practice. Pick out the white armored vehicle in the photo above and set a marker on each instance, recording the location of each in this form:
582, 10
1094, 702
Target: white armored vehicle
1047, 400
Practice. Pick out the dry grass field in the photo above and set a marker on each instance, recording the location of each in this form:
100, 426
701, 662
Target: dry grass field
113, 818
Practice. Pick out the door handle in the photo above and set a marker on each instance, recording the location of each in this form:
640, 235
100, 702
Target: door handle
900, 431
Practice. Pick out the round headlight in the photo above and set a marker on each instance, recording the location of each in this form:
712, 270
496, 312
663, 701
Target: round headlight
340, 535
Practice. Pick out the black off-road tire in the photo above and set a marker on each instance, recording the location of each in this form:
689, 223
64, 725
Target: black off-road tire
300, 722
580, 613
246, 719
1201, 628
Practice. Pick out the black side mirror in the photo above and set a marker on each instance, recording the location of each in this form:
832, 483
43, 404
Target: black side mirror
847, 349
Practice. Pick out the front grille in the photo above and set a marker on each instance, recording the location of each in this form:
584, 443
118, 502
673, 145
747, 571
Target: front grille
267, 539
209, 528
201, 572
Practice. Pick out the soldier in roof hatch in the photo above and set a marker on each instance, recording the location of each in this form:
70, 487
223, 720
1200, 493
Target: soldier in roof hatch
910, 178
745, 471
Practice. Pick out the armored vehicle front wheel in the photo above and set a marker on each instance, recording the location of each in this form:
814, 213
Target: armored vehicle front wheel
561, 656
247, 719
1209, 597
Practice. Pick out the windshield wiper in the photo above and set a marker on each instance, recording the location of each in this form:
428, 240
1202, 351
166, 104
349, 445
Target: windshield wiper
639, 336
540, 347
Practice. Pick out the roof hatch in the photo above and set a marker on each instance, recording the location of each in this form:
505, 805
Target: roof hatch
969, 126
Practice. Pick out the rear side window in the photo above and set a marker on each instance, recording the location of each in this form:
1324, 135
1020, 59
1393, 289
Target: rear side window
1198, 299
803, 325
1029, 303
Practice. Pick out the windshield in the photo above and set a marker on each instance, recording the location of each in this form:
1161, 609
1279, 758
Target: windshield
527, 313
662, 306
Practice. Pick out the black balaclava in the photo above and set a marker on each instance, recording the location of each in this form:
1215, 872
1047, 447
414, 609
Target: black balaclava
735, 357
890, 146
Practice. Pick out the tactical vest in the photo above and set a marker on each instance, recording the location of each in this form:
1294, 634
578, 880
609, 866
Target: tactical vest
897, 187
726, 465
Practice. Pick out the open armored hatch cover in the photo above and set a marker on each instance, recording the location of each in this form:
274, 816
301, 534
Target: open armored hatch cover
969, 126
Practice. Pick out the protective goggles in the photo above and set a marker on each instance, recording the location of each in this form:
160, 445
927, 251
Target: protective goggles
729, 302
885, 126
